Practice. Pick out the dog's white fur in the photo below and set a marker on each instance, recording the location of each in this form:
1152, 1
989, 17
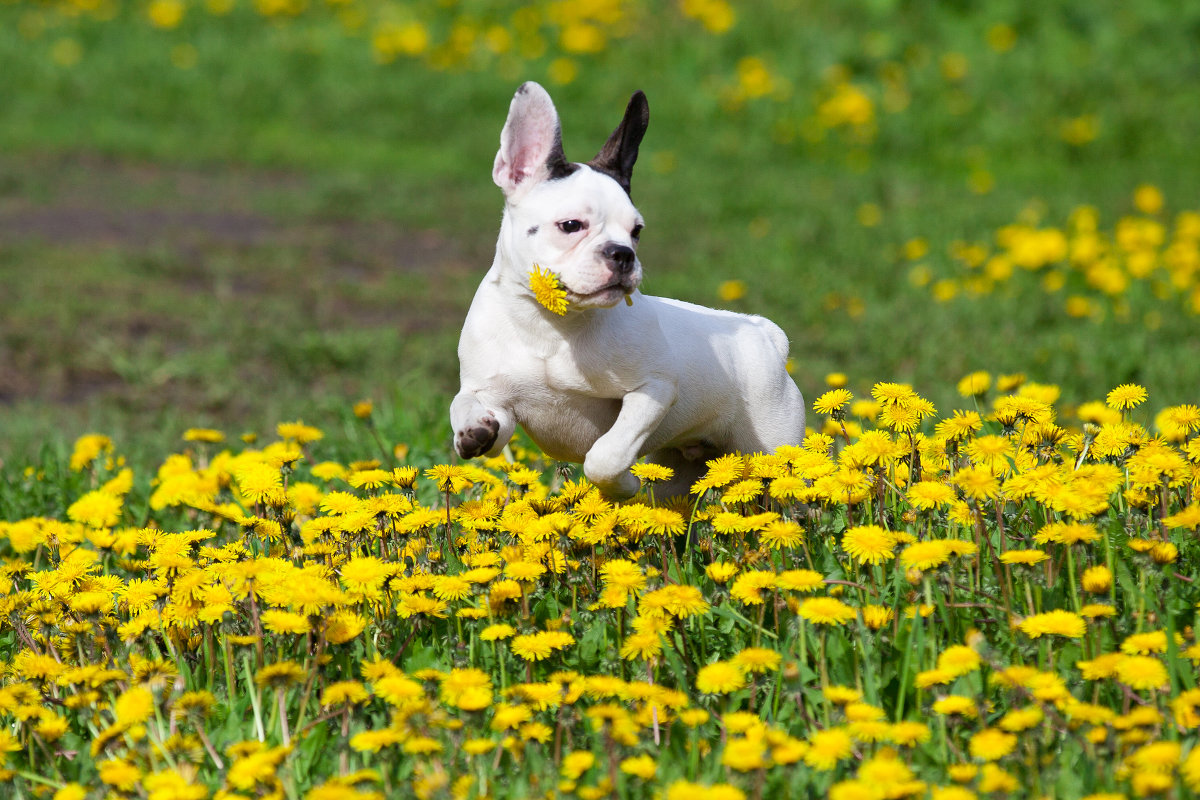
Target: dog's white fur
606, 383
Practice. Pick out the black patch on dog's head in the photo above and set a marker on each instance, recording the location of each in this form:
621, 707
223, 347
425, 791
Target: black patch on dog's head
532, 231
557, 165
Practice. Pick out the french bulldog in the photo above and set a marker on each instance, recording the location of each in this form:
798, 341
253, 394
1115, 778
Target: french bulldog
619, 375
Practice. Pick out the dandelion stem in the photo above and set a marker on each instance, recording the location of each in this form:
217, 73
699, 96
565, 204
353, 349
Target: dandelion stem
915, 641
314, 670
255, 702
1071, 578
281, 701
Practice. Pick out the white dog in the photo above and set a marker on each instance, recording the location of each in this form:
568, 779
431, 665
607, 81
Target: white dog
619, 375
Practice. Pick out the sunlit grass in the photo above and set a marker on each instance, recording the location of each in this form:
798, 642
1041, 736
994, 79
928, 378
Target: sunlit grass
995, 596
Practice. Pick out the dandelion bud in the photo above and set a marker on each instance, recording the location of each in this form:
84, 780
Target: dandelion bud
913, 576
1096, 580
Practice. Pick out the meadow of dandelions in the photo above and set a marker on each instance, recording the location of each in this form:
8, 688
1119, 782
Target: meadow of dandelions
992, 601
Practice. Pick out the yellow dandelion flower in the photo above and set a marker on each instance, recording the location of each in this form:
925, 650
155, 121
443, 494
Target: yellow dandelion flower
959, 659
643, 766
720, 677
833, 402
498, 631
925, 555
974, 385
280, 674
548, 290
909, 733
133, 706
576, 763
758, 659
1054, 623
1026, 558
869, 544
827, 748
96, 509
524, 570
955, 704
841, 695
652, 472
278, 621
781, 535
1144, 644
826, 611
643, 646
1126, 396
928, 495
88, 448
1141, 672
799, 580
343, 693
119, 773
450, 478
745, 754
876, 616
991, 744
962, 425
721, 571
978, 483
1021, 719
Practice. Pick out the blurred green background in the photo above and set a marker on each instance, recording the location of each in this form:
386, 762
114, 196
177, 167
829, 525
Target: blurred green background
229, 213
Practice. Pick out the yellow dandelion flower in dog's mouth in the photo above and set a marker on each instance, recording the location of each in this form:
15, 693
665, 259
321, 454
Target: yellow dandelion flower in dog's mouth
548, 290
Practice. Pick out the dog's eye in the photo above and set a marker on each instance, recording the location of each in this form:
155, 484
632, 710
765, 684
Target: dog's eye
571, 226
636, 233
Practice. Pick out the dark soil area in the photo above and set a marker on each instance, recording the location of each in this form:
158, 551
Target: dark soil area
214, 292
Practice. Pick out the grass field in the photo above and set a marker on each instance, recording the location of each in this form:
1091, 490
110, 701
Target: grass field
229, 215
260, 216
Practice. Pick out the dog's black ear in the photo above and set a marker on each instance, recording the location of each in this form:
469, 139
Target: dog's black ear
531, 142
620, 152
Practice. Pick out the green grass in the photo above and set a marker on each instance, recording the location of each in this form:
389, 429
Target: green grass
293, 125
286, 226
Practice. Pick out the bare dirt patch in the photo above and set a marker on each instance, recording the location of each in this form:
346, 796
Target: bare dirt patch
148, 286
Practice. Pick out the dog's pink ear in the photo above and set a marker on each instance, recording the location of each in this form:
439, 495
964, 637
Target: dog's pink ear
531, 142
620, 152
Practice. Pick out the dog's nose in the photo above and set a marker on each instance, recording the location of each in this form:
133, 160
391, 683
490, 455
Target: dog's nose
620, 256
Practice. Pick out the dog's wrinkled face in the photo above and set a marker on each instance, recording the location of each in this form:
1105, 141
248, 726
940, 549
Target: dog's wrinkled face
575, 220
585, 229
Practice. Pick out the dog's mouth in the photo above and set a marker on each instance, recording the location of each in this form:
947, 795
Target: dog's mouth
609, 294
606, 296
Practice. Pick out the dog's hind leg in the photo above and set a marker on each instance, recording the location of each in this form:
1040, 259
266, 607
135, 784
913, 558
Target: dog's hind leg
479, 428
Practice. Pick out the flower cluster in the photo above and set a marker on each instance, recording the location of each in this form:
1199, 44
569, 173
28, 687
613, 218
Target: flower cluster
1144, 265
899, 606
442, 37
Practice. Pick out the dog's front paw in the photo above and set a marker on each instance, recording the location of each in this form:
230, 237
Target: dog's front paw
624, 487
477, 439
614, 480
